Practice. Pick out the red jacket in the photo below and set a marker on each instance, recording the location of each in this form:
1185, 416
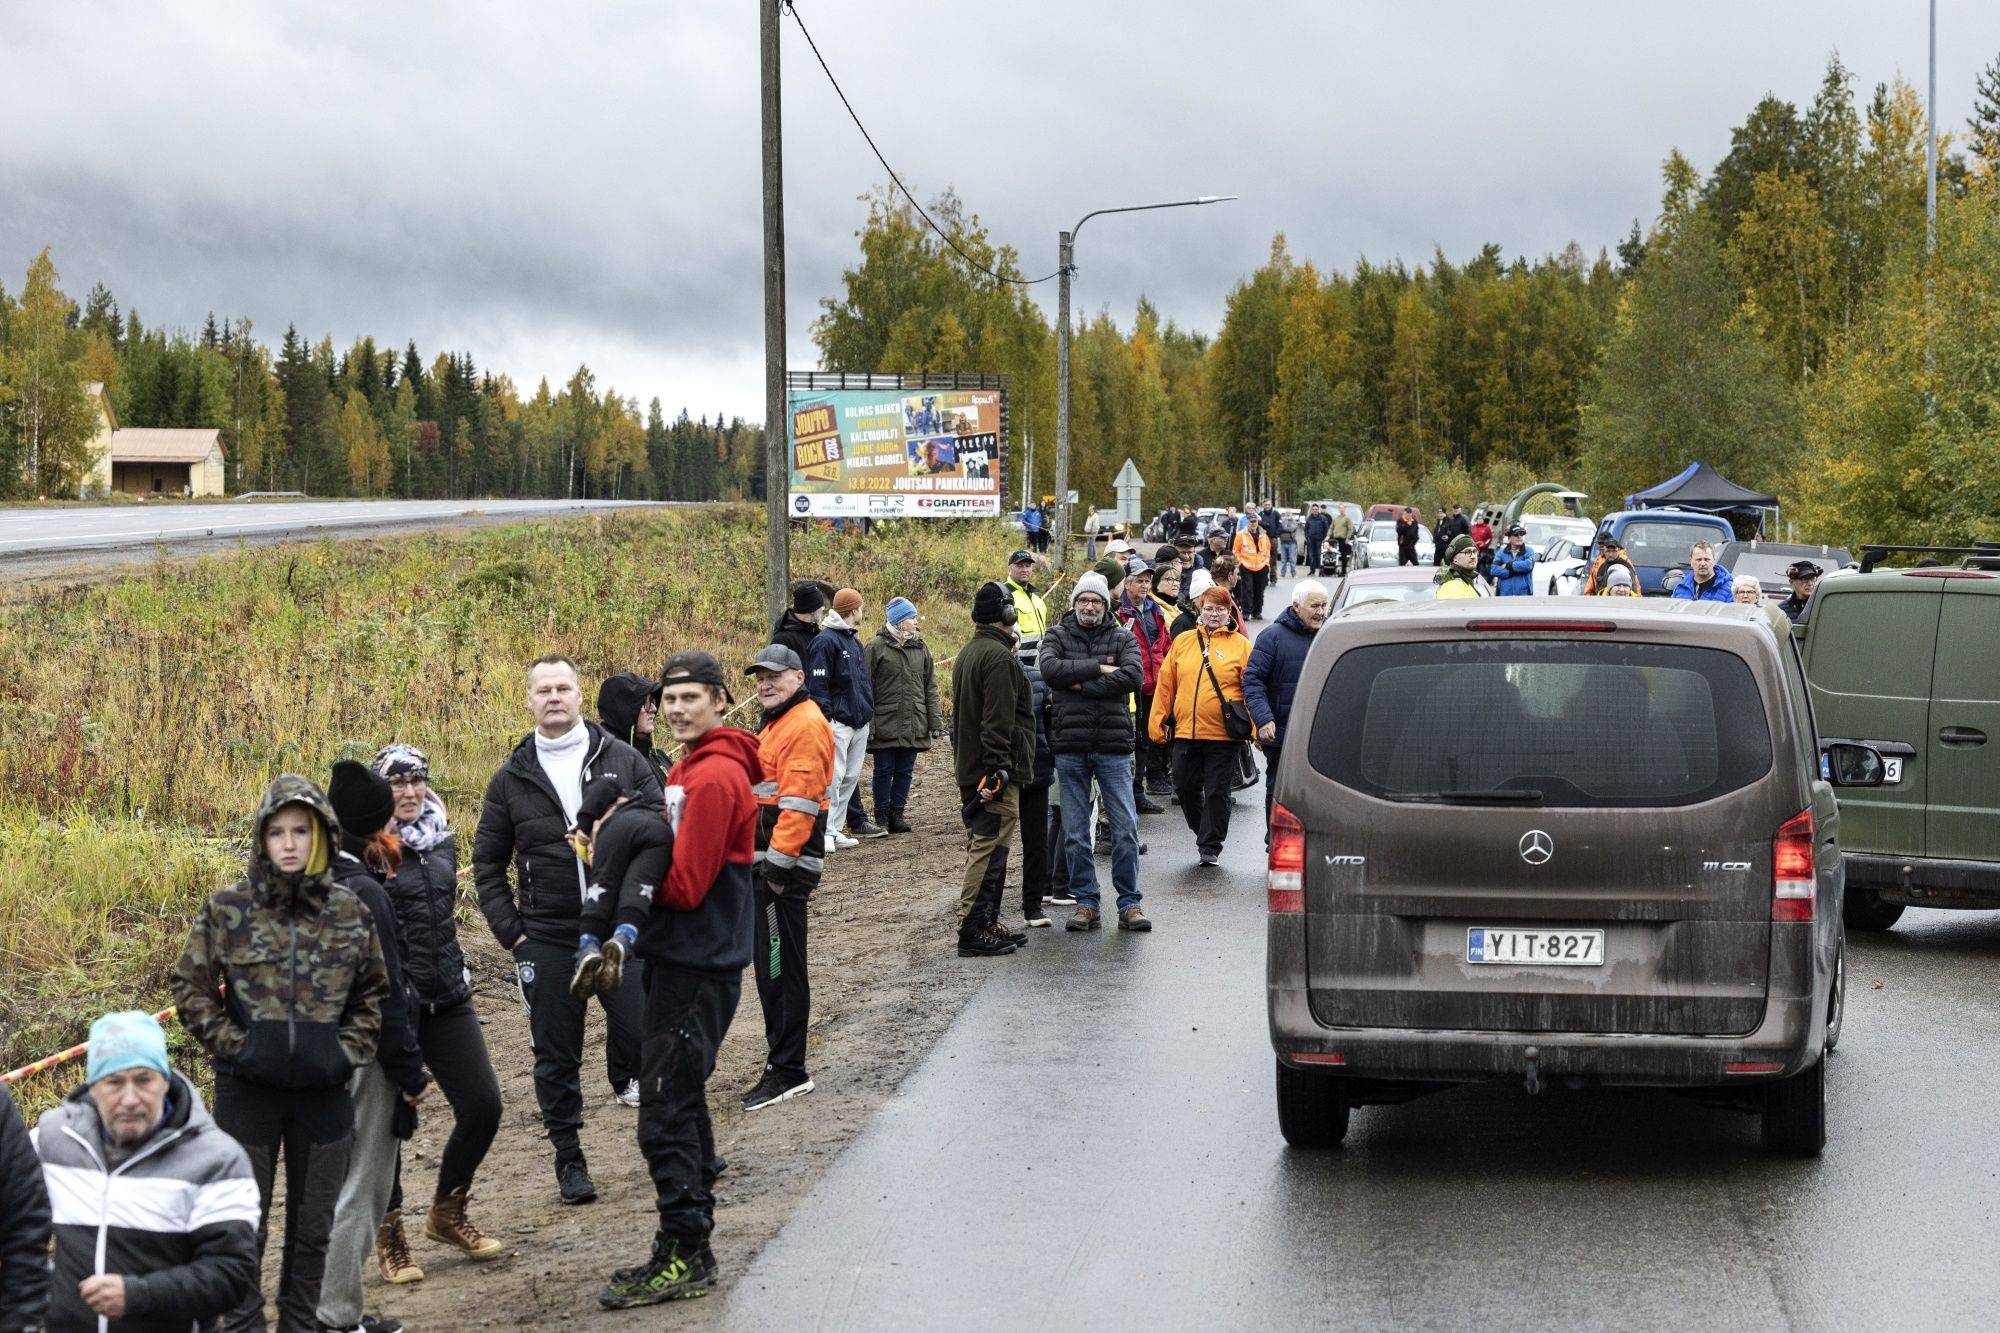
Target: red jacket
1153, 650
702, 915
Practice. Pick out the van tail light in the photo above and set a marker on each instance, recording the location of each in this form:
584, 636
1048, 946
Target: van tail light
1285, 886
1793, 879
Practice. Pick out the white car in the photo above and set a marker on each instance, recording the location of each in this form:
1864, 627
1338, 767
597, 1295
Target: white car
1561, 567
1375, 544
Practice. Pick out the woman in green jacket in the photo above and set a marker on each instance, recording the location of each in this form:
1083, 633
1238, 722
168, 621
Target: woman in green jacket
908, 715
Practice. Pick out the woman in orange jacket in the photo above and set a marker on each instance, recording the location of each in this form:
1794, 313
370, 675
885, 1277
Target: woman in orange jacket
1252, 548
1202, 672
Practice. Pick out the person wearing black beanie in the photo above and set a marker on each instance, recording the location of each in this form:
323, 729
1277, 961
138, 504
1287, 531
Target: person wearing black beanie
989, 604
387, 1090
799, 625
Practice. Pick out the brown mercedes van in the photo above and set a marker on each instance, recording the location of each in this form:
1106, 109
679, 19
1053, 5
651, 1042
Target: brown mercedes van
1570, 842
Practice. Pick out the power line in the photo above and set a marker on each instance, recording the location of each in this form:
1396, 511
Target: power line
852, 115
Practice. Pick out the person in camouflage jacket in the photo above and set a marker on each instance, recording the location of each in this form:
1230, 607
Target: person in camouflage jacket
283, 984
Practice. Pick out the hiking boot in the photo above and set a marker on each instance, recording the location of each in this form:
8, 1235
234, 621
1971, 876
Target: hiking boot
1131, 918
448, 1225
975, 942
1146, 805
676, 1271
628, 1095
392, 1252
866, 830
1084, 918
893, 819
776, 1087
573, 1179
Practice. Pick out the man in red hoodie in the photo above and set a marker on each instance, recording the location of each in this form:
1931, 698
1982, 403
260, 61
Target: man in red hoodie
695, 944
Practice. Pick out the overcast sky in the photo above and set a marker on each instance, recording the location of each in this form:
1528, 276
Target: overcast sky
546, 184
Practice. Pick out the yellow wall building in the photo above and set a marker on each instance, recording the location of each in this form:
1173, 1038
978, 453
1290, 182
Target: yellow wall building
143, 461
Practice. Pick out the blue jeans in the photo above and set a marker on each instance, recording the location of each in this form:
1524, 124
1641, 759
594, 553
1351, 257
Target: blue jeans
1113, 773
893, 770
1288, 557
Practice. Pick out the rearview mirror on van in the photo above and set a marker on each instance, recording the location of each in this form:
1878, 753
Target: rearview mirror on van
1851, 765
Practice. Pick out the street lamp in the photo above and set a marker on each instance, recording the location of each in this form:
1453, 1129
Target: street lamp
1066, 255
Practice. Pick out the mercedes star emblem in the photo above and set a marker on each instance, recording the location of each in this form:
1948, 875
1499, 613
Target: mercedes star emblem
1537, 847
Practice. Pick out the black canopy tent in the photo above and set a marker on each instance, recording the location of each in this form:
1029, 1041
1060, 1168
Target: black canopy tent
1700, 486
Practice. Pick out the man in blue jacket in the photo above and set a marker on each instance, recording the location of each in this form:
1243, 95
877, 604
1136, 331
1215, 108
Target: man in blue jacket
837, 679
1272, 677
1514, 565
1706, 580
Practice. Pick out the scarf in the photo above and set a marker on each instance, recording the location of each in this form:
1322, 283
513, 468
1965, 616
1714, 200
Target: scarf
906, 631
428, 829
562, 759
1454, 572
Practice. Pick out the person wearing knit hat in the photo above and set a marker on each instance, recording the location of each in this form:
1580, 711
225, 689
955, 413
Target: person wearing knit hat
1458, 576
155, 1208
837, 679
993, 753
799, 625
908, 713
1112, 570
899, 610
990, 604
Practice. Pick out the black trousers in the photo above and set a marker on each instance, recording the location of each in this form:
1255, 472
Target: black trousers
1143, 749
555, 1026
784, 988
1270, 788
313, 1176
629, 857
1311, 549
687, 1014
1406, 555
1034, 849
1256, 580
455, 1052
1205, 773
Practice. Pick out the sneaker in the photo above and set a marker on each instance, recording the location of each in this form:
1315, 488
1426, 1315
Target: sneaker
616, 955
1084, 918
975, 943
1036, 920
583, 980
1102, 846
1060, 898
775, 1087
1132, 918
392, 1252
1211, 859
1160, 788
573, 1179
380, 1324
866, 830
677, 1271
840, 840
628, 1095
1146, 805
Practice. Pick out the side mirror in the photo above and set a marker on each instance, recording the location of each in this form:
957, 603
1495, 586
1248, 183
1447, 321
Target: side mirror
1852, 765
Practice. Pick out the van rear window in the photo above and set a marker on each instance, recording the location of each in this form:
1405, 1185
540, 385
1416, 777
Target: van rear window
1662, 542
1552, 723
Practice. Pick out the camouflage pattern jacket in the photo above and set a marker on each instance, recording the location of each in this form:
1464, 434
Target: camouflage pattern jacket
302, 966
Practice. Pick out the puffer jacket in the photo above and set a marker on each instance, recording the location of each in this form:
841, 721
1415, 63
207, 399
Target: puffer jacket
1092, 709
1721, 588
795, 634
423, 893
522, 825
1272, 678
397, 1051
303, 965
24, 1224
837, 675
1149, 626
1514, 574
1039, 699
178, 1218
1185, 704
903, 676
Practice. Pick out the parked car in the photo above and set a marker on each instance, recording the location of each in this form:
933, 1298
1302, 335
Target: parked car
1657, 540
1767, 562
1560, 567
1905, 661
1461, 890
1375, 544
1386, 583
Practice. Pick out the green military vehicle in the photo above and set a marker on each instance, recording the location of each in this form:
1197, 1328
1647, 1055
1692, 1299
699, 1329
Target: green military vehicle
1907, 661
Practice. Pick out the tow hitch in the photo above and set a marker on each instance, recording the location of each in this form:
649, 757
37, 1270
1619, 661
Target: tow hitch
1533, 1056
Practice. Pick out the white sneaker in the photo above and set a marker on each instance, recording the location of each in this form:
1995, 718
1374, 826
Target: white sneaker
630, 1096
841, 841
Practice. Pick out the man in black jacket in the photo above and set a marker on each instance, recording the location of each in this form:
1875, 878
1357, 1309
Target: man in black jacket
24, 1224
799, 626
1092, 667
526, 822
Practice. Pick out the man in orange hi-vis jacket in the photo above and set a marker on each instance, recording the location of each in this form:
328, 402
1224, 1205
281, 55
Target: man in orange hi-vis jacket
795, 745
1252, 548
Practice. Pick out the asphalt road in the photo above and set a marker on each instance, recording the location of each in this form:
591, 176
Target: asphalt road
44, 533
1093, 1144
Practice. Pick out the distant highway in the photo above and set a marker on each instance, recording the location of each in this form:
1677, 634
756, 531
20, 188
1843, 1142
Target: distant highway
44, 536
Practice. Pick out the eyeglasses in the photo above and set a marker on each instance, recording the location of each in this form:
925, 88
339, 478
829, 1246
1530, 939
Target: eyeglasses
409, 780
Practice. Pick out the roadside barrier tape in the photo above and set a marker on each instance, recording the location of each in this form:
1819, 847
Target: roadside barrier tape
64, 1057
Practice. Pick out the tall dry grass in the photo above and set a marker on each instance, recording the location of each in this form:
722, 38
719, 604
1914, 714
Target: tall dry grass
147, 713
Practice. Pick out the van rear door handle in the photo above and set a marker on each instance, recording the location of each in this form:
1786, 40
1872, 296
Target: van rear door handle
1962, 736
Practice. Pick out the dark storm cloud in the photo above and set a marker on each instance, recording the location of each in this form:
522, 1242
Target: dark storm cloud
544, 184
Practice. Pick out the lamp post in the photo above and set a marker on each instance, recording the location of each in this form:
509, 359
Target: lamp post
1065, 255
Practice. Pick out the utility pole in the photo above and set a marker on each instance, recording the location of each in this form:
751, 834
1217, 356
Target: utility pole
777, 433
1066, 264
1930, 226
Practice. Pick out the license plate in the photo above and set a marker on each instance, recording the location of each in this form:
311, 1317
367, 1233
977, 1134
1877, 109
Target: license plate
1892, 769
1539, 948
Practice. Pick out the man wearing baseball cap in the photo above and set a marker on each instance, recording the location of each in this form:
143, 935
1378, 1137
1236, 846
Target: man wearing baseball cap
1513, 565
1803, 575
1031, 613
154, 1207
795, 746
695, 943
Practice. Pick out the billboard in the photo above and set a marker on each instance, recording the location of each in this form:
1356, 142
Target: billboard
896, 453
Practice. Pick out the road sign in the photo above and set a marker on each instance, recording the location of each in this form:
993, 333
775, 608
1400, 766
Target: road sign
1129, 484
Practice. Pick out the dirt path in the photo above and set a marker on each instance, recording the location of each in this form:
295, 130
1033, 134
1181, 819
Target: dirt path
886, 983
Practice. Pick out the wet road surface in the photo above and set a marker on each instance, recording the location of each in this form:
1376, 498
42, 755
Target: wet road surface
1093, 1144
